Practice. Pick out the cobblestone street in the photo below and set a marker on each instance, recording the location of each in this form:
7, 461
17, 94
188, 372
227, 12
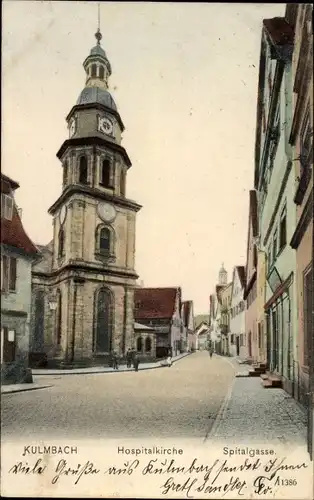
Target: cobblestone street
181, 401
257, 415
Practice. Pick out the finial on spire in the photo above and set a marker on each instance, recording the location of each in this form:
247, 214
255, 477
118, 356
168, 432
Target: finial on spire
98, 35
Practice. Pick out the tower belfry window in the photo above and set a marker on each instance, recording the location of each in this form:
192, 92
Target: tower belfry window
105, 173
101, 72
65, 172
83, 170
94, 71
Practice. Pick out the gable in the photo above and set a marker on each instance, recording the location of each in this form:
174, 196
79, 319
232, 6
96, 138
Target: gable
202, 327
237, 284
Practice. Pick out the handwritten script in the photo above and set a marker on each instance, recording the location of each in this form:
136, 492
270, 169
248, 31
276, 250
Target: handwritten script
221, 476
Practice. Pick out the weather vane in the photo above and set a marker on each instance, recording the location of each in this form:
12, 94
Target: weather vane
98, 35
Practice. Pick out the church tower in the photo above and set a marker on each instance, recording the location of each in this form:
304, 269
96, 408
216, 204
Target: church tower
223, 276
93, 254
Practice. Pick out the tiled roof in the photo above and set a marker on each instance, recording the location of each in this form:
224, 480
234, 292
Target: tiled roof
241, 273
279, 31
13, 234
8, 184
12, 231
154, 302
44, 264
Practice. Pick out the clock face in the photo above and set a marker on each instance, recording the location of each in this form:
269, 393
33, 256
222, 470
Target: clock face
72, 127
105, 125
62, 214
106, 212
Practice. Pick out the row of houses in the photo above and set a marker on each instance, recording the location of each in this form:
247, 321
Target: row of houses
265, 315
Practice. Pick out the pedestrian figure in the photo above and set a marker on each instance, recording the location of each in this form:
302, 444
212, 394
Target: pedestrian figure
129, 358
211, 350
169, 358
169, 361
115, 361
136, 361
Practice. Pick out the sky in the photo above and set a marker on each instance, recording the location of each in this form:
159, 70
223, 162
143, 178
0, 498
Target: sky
184, 77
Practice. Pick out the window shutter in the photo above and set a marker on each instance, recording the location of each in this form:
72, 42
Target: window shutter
12, 283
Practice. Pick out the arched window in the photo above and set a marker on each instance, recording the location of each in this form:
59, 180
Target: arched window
105, 173
148, 344
61, 243
101, 72
65, 172
139, 344
59, 318
104, 240
122, 183
83, 170
94, 70
103, 321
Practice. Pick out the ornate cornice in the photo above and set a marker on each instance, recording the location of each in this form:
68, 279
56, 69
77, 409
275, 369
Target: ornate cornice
79, 266
94, 141
95, 194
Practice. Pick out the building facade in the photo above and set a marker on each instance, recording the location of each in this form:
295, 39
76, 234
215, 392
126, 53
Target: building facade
250, 292
260, 303
225, 318
237, 337
160, 308
17, 255
187, 315
274, 183
217, 314
300, 16
83, 289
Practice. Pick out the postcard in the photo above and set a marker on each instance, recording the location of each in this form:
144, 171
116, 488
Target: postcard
156, 250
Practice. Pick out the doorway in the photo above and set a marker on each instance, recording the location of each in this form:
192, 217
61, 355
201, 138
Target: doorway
250, 344
7, 345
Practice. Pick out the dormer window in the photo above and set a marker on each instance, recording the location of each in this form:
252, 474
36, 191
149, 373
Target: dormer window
7, 204
101, 72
